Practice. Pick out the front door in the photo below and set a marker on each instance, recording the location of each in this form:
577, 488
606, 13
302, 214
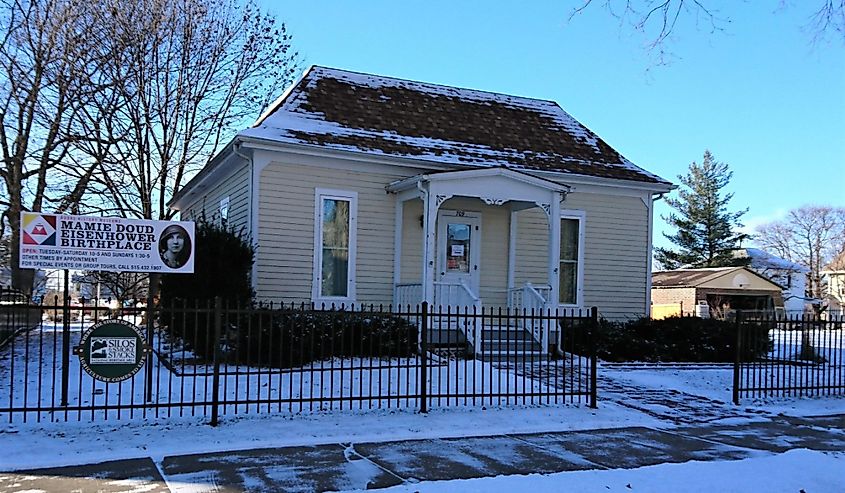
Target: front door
458, 253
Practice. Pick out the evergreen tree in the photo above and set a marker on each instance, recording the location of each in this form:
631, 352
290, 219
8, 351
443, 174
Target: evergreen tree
706, 232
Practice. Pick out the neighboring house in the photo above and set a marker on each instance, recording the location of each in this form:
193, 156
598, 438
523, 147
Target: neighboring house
792, 276
366, 189
723, 290
833, 275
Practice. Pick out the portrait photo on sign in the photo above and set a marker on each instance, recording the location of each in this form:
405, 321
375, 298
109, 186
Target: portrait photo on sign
174, 246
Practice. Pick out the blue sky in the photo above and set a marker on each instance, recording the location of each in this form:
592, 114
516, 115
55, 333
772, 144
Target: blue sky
759, 95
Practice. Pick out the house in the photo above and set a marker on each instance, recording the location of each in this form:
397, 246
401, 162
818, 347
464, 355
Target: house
833, 275
722, 290
365, 189
791, 275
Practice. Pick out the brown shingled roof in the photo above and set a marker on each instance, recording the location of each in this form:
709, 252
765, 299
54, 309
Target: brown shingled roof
686, 277
467, 128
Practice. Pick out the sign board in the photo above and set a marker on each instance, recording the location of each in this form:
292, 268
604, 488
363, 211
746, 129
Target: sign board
112, 350
53, 241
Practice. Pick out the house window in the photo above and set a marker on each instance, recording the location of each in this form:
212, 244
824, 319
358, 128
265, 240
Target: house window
334, 256
571, 257
224, 209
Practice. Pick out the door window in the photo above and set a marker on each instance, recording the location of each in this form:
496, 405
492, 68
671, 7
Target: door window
458, 248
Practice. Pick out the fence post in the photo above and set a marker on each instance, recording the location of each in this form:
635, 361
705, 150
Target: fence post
424, 356
594, 323
737, 358
215, 389
65, 339
149, 363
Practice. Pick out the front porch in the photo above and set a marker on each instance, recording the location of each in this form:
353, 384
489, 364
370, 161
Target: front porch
484, 241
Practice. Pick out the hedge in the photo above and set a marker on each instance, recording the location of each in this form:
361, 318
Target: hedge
291, 337
674, 339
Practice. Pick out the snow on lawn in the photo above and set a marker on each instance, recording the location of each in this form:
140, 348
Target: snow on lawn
790, 472
717, 384
30, 375
48, 444
66, 443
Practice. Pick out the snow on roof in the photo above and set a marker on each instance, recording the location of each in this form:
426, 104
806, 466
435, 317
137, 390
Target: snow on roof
469, 128
761, 259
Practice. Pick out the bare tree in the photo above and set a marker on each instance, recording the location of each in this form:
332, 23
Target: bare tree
810, 235
658, 20
189, 73
119, 286
45, 64
110, 107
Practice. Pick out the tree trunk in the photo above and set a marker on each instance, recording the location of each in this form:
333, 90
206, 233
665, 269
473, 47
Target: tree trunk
21, 278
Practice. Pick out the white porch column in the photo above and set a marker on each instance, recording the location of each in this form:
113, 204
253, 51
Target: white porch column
429, 220
512, 232
434, 197
397, 246
554, 249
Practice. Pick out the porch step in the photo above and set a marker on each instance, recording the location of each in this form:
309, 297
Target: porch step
508, 341
514, 356
507, 345
506, 333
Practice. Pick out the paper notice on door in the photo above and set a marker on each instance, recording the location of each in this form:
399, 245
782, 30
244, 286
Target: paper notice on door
457, 251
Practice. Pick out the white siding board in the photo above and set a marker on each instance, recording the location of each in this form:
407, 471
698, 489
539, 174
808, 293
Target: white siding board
412, 242
615, 256
532, 248
615, 251
236, 187
286, 232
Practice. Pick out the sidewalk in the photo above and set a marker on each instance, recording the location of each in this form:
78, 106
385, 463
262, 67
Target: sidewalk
345, 466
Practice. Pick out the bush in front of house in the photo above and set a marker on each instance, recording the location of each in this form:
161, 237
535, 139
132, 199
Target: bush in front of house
223, 260
676, 339
291, 338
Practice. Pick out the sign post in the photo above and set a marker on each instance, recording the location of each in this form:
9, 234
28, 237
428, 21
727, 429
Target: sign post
65, 338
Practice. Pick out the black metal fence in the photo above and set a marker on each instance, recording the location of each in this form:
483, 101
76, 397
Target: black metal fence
212, 359
789, 356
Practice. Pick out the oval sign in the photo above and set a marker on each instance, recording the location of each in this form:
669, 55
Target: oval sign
112, 350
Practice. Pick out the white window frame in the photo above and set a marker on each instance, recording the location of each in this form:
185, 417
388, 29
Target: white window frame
581, 217
317, 279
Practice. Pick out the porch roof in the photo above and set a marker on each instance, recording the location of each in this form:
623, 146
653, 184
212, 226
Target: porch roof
499, 173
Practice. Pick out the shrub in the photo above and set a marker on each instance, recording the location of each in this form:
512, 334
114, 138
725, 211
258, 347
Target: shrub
291, 338
677, 339
223, 261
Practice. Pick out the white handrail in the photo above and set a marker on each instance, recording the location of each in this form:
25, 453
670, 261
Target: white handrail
528, 300
407, 294
460, 296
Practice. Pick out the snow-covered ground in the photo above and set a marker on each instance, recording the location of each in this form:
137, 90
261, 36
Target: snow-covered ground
793, 471
49, 444
64, 443
30, 377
